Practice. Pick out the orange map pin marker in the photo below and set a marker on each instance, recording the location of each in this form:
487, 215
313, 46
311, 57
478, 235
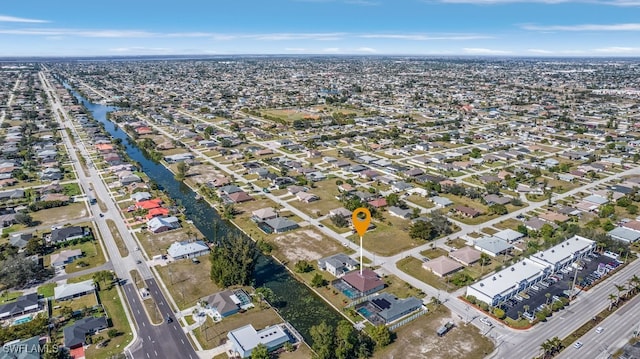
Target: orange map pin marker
361, 225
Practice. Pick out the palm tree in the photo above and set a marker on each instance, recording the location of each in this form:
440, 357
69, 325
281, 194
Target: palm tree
620, 289
546, 347
525, 308
634, 283
547, 295
614, 299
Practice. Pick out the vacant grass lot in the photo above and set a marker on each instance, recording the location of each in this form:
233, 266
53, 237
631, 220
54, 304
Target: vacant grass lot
60, 215
418, 339
188, 282
79, 303
6, 297
389, 238
122, 248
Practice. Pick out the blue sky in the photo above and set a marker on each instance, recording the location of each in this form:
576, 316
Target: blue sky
401, 27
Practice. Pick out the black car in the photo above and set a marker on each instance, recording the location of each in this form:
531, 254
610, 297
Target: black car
169, 319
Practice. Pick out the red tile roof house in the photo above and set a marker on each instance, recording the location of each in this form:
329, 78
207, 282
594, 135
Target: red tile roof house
378, 203
149, 204
144, 130
239, 197
366, 283
157, 212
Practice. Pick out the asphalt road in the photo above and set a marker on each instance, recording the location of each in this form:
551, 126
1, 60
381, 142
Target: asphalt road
166, 340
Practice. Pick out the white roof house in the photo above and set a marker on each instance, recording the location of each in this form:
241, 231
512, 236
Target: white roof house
624, 234
565, 253
507, 282
179, 250
68, 291
245, 339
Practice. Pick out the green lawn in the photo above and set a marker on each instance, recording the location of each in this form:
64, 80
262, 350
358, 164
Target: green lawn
92, 258
188, 282
390, 237
60, 215
115, 310
9, 296
413, 267
46, 290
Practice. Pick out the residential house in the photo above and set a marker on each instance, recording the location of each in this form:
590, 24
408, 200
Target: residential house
306, 197
244, 339
263, 214
509, 235
180, 250
141, 196
11, 194
60, 260
362, 282
492, 199
279, 225
224, 303
73, 290
341, 211
466, 211
492, 246
163, 224
20, 240
385, 308
68, 233
238, 197
466, 255
338, 264
442, 266
75, 335
441, 202
400, 212
22, 349
24, 304
51, 174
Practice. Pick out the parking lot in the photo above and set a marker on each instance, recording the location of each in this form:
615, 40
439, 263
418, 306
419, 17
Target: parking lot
558, 285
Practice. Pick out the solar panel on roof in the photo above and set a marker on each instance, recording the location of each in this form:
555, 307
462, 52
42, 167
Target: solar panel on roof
382, 303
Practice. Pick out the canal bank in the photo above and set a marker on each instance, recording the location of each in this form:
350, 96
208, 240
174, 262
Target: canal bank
295, 302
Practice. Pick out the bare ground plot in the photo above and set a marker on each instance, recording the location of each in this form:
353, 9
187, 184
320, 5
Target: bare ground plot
155, 244
317, 208
188, 282
418, 340
389, 238
60, 215
202, 173
420, 201
304, 244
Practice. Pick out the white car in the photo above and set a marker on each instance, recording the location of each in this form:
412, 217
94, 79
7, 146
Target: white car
577, 345
599, 330
485, 321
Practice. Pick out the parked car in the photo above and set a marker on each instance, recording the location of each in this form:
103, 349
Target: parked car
599, 330
577, 345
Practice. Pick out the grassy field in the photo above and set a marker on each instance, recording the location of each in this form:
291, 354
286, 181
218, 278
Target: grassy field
413, 267
418, 339
79, 303
122, 248
188, 282
212, 334
115, 310
420, 201
92, 258
401, 289
159, 243
389, 238
60, 215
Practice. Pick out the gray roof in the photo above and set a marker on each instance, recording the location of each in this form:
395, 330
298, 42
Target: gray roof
509, 235
20, 240
222, 302
280, 223
594, 198
20, 304
74, 335
393, 307
493, 244
181, 249
62, 234
624, 234
442, 201
338, 261
69, 290
22, 349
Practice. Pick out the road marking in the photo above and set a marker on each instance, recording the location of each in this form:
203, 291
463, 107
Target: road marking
149, 336
148, 356
138, 310
144, 324
156, 352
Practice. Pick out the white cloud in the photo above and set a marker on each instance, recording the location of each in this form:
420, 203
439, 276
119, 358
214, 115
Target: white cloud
80, 33
540, 51
295, 49
585, 27
367, 49
141, 49
297, 36
5, 18
331, 49
619, 50
482, 51
424, 37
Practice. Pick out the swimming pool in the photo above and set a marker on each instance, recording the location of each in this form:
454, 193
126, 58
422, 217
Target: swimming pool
365, 312
22, 321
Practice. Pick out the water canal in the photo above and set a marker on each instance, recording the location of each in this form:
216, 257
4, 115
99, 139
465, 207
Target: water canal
295, 302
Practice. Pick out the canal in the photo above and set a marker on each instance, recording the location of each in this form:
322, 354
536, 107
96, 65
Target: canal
295, 302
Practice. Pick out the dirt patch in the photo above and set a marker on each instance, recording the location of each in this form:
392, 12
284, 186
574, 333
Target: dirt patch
203, 173
418, 340
305, 244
